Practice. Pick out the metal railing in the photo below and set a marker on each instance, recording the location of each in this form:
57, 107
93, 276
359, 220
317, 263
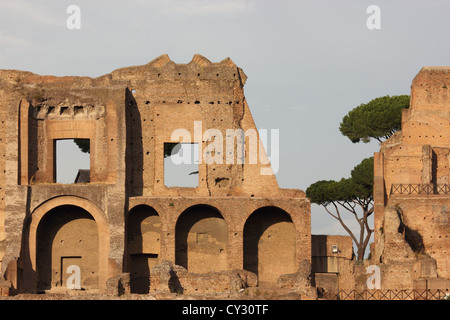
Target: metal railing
420, 189
428, 294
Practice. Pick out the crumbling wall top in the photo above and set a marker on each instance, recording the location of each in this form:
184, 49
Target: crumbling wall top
163, 68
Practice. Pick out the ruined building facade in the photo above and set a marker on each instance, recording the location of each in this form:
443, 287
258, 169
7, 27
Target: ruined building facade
125, 218
122, 219
412, 190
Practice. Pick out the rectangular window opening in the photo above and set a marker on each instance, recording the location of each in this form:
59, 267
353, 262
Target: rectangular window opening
181, 165
72, 161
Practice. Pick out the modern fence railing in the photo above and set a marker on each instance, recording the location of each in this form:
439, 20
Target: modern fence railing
420, 189
387, 295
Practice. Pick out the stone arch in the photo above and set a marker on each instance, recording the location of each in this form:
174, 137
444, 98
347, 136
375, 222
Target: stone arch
201, 240
67, 235
269, 244
143, 241
59, 218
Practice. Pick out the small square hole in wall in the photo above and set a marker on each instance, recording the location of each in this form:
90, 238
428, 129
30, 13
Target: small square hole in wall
64, 111
78, 110
72, 161
181, 165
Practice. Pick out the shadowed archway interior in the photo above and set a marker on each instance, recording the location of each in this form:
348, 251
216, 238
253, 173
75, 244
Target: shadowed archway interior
67, 235
269, 244
201, 240
143, 246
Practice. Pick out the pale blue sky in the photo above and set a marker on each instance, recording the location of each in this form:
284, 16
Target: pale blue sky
308, 62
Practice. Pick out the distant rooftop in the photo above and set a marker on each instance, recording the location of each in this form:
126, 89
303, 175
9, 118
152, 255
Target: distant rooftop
83, 176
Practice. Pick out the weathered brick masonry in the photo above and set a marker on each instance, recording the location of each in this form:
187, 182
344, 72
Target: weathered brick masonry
129, 232
126, 219
412, 190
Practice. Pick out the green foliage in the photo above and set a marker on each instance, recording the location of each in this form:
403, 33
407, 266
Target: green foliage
358, 186
349, 194
83, 144
362, 175
378, 119
171, 148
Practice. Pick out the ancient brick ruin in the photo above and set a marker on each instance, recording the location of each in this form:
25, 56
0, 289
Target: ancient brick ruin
125, 219
412, 190
129, 232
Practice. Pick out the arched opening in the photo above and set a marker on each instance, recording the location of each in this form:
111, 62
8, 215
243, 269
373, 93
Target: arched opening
269, 244
143, 246
201, 240
67, 236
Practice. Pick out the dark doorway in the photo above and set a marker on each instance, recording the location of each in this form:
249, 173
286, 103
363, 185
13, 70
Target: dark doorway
201, 240
269, 244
